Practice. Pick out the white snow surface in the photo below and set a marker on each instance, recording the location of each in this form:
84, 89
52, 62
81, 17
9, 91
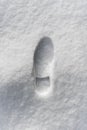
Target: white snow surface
22, 24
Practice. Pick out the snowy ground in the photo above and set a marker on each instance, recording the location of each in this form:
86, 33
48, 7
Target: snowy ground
22, 24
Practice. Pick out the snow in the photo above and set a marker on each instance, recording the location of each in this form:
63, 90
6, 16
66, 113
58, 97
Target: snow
23, 23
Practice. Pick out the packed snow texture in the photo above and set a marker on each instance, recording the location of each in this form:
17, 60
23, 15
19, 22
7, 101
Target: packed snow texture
22, 24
